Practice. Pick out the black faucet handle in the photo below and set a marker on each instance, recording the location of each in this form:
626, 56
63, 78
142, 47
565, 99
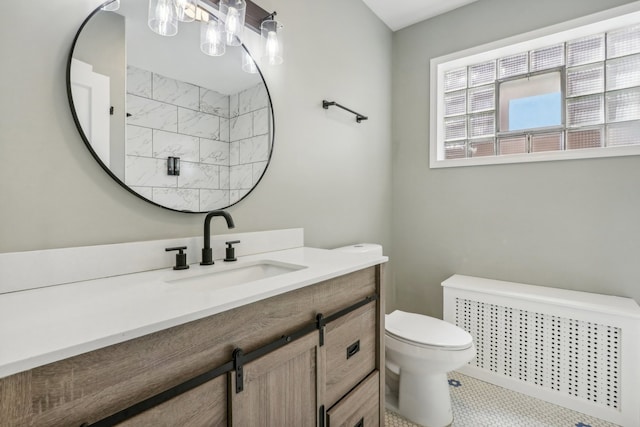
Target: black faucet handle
231, 251
181, 257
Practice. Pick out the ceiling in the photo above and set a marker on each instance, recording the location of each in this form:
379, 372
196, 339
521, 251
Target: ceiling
398, 14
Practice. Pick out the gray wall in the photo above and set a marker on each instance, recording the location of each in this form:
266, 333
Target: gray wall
568, 224
329, 174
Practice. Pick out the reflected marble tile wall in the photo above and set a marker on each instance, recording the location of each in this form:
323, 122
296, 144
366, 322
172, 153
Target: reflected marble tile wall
222, 141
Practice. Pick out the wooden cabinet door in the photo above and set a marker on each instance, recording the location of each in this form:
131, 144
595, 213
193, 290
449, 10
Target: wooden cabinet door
204, 406
280, 388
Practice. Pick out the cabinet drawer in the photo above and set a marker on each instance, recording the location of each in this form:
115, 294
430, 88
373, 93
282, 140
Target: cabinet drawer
350, 345
360, 407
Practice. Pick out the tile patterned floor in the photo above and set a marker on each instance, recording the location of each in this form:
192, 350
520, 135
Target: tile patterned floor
475, 404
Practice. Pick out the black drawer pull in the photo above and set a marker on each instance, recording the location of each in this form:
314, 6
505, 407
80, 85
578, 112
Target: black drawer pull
360, 423
353, 349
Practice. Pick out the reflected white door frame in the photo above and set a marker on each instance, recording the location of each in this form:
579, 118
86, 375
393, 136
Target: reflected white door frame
91, 100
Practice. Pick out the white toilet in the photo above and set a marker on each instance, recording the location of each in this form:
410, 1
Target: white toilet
420, 350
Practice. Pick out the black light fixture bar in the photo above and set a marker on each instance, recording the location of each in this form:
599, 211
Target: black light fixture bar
253, 17
359, 117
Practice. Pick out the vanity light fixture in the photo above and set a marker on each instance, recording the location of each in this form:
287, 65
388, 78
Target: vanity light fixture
163, 17
212, 37
272, 38
233, 12
248, 64
222, 24
112, 6
199, 14
186, 10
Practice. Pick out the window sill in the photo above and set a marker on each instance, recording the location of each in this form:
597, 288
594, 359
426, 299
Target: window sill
587, 153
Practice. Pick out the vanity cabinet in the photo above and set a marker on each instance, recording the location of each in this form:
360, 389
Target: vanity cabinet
314, 378
280, 388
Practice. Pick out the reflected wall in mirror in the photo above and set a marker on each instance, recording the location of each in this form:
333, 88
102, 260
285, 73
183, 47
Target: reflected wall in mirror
140, 100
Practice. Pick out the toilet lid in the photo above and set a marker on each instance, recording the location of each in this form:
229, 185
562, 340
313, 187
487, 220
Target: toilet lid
426, 331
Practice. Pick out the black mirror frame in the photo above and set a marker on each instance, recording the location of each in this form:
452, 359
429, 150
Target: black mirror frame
106, 168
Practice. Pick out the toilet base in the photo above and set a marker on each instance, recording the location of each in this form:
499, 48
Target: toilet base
423, 399
391, 402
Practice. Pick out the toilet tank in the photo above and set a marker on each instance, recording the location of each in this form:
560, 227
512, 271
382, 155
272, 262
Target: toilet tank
362, 248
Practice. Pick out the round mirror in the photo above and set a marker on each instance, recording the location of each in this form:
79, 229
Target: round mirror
179, 128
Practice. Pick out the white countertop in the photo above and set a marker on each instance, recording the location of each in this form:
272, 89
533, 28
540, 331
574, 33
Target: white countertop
41, 326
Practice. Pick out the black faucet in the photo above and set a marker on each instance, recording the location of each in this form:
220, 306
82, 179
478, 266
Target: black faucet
207, 253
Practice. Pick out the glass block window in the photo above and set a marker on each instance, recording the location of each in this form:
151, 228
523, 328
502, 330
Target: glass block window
546, 58
512, 145
482, 99
585, 80
455, 128
547, 142
585, 50
623, 105
587, 138
455, 151
513, 65
455, 103
578, 93
585, 111
623, 72
482, 148
481, 74
625, 41
456, 79
623, 134
482, 125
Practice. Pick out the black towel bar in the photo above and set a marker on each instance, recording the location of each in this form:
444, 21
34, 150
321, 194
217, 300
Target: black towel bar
327, 104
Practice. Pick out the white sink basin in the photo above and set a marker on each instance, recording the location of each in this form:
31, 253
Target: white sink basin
234, 276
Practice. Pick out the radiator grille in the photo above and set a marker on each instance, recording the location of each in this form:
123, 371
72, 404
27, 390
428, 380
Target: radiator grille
568, 356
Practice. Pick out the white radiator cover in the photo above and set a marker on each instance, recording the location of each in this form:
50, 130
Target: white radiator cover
575, 349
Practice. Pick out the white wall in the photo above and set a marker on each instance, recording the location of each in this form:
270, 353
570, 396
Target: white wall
329, 174
568, 224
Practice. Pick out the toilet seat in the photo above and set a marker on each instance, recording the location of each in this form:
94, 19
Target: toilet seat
426, 332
